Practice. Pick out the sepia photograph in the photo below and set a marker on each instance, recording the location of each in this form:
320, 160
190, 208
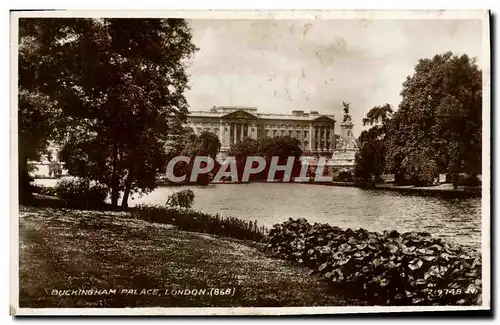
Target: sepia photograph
249, 162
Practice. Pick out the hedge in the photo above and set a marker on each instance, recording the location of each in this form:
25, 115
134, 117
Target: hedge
191, 220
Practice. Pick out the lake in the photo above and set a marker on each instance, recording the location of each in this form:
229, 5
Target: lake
457, 220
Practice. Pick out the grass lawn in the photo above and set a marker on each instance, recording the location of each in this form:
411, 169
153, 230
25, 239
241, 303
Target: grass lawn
63, 249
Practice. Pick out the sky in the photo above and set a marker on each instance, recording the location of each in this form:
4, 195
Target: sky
284, 65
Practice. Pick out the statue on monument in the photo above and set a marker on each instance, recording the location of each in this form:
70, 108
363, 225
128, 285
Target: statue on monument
346, 148
347, 116
347, 140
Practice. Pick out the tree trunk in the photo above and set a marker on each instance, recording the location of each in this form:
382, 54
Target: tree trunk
455, 180
126, 193
25, 195
115, 194
87, 196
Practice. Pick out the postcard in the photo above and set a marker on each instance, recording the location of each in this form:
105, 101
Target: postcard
249, 162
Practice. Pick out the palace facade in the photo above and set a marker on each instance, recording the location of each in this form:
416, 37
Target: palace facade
316, 132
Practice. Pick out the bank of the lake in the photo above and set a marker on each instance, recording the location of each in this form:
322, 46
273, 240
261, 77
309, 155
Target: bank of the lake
443, 190
453, 218
63, 249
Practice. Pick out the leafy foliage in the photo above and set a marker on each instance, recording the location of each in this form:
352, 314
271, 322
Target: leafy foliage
37, 120
119, 84
386, 268
370, 160
206, 144
81, 193
44, 190
343, 176
191, 220
281, 147
438, 125
183, 199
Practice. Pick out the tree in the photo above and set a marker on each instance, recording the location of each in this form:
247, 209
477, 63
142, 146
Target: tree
439, 120
120, 83
37, 117
206, 144
284, 147
266, 147
370, 160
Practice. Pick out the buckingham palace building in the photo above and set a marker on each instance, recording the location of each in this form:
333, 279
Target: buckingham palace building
316, 132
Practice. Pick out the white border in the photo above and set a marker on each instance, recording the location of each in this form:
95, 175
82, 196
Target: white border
262, 14
227, 311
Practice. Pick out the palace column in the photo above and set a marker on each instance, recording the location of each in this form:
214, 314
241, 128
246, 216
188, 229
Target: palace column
322, 138
310, 136
332, 138
329, 146
316, 138
235, 137
325, 148
328, 138
227, 134
221, 134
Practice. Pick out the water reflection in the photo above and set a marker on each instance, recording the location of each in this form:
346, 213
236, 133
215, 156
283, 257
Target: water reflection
456, 220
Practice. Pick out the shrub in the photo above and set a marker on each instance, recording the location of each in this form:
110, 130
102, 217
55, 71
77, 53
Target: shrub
79, 192
183, 199
383, 268
469, 180
191, 220
44, 190
343, 176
